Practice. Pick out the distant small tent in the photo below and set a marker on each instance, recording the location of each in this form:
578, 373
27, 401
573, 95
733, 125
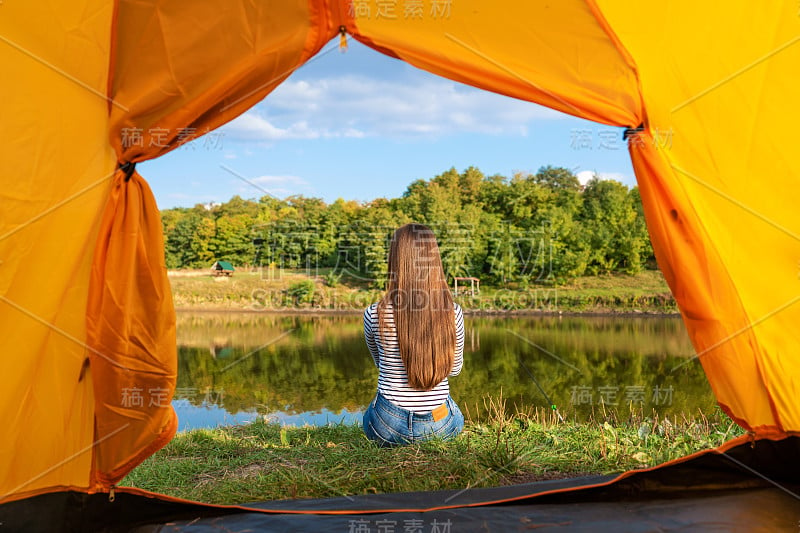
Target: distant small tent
222, 268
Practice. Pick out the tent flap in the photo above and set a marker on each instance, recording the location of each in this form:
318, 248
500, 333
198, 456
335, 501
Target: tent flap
558, 54
716, 167
131, 333
56, 169
180, 73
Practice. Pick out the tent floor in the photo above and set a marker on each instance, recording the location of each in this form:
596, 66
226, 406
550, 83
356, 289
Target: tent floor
742, 486
767, 509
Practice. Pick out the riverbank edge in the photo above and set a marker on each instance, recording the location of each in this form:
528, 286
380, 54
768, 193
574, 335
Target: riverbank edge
266, 461
643, 294
471, 312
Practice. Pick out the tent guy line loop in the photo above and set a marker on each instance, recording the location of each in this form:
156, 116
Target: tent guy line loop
70, 77
546, 397
128, 168
523, 79
551, 354
736, 202
63, 334
63, 462
739, 332
248, 181
736, 74
630, 132
56, 206
762, 476
318, 55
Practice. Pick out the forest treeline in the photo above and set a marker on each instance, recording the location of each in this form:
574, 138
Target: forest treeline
530, 228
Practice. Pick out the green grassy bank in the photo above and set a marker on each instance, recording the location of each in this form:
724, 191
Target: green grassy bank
264, 461
297, 290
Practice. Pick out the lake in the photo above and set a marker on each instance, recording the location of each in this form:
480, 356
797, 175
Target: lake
307, 369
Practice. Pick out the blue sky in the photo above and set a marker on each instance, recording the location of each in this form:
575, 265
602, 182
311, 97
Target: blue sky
359, 125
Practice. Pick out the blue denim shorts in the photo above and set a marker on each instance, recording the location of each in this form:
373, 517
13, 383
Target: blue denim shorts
389, 425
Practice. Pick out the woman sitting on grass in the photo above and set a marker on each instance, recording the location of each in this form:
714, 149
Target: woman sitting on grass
416, 337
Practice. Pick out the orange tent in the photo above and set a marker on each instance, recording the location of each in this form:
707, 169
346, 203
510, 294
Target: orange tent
96, 86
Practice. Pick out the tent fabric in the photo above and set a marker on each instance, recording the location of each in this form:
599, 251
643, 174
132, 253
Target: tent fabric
102, 83
176, 75
179, 73
558, 54
131, 333
722, 489
57, 169
718, 152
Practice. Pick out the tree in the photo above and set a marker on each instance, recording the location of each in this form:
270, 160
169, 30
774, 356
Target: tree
187, 237
610, 219
236, 206
535, 227
469, 184
174, 240
233, 240
563, 186
503, 260
557, 179
647, 256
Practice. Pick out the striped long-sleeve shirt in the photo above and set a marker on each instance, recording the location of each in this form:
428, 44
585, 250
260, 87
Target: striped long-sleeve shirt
392, 376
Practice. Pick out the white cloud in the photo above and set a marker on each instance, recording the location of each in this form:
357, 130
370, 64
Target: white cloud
253, 127
360, 106
584, 176
352, 132
276, 185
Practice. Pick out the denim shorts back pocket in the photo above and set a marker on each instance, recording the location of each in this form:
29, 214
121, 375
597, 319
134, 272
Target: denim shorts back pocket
392, 425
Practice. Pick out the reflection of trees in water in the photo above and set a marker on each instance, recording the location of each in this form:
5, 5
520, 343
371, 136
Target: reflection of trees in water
323, 363
472, 338
251, 329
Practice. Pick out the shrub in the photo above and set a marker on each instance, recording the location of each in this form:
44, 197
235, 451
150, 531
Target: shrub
332, 279
302, 291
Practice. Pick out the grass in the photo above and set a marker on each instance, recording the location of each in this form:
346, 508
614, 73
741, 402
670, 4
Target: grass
611, 293
264, 461
273, 289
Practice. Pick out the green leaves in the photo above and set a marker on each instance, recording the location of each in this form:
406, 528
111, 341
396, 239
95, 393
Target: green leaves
541, 228
302, 291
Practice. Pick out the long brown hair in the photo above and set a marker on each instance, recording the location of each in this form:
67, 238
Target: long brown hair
422, 306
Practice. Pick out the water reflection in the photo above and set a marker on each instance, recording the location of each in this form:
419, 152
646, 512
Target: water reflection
208, 415
300, 369
212, 415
